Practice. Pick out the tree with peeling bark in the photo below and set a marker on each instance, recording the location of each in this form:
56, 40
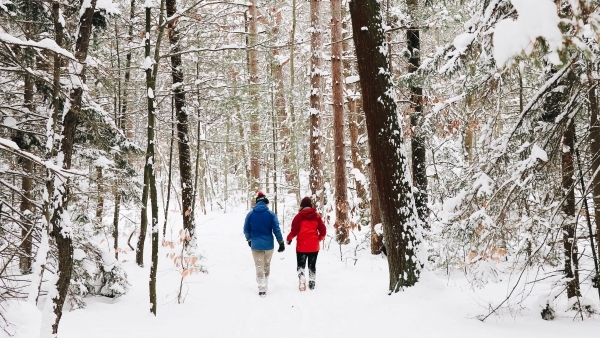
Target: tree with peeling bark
390, 167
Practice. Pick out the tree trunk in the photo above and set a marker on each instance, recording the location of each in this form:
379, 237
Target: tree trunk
416, 117
139, 254
125, 122
376, 239
100, 202
342, 222
388, 158
139, 251
279, 102
568, 208
595, 163
27, 207
170, 171
186, 173
60, 234
117, 196
316, 105
149, 174
253, 76
353, 118
293, 158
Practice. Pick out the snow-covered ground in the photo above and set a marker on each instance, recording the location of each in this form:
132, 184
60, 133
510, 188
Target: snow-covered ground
349, 300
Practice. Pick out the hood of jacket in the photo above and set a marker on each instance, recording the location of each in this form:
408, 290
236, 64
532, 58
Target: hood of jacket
308, 213
260, 207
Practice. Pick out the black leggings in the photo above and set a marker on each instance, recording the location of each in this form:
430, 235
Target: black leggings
301, 258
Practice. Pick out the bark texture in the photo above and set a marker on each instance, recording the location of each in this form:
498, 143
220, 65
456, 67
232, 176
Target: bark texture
181, 111
342, 222
568, 208
595, 163
553, 106
26, 206
376, 239
61, 234
385, 142
316, 105
416, 98
253, 74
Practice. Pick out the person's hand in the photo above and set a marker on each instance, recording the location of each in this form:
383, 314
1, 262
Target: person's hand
281, 247
249, 243
289, 242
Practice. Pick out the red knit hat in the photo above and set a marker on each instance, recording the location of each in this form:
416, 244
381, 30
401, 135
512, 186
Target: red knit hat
306, 203
260, 197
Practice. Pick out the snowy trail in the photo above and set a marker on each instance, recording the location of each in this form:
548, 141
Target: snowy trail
349, 300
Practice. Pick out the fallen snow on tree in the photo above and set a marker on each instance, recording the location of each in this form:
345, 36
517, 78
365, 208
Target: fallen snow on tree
537, 18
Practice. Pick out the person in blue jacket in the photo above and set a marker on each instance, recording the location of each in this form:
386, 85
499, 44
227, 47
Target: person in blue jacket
260, 226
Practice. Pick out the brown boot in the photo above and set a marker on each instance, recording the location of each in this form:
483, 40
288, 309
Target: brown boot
302, 286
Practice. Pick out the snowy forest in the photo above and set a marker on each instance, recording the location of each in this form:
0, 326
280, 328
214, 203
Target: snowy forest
450, 146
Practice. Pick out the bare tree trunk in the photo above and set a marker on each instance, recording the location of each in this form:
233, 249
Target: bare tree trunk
417, 140
353, 119
139, 251
27, 207
553, 106
181, 111
279, 102
253, 75
169, 181
292, 114
100, 202
568, 208
117, 195
385, 141
279, 118
342, 222
149, 174
595, 163
316, 105
125, 122
60, 235
376, 239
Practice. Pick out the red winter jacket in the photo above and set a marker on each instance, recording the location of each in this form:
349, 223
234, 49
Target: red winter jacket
309, 228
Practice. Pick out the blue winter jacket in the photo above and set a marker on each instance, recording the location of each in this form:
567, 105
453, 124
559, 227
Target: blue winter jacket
259, 227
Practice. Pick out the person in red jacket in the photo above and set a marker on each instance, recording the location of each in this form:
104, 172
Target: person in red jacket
310, 230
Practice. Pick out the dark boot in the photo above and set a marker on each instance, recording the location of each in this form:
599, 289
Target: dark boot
311, 284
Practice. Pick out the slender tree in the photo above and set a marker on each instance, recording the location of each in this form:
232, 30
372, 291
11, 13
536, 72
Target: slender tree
354, 116
27, 207
594, 140
316, 104
181, 111
253, 77
342, 222
390, 168
417, 142
60, 233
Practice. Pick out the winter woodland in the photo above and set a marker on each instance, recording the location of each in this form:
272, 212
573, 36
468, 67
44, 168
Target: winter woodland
452, 148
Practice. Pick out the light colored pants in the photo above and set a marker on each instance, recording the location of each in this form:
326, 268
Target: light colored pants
262, 261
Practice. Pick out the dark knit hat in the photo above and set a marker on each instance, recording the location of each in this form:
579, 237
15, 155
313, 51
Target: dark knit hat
306, 203
260, 197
